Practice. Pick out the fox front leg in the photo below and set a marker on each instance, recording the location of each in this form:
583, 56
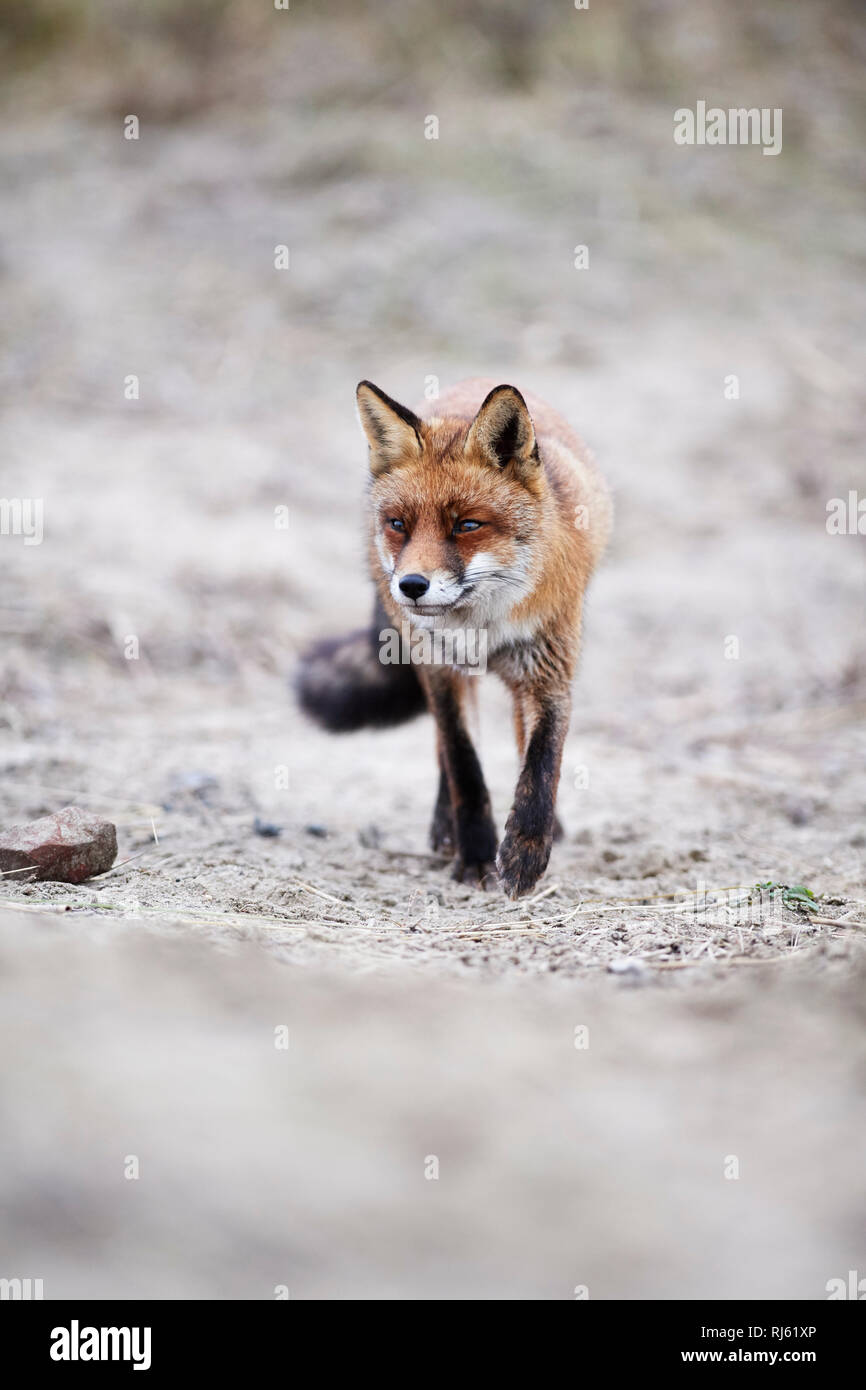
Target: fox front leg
531, 825
520, 740
471, 822
443, 836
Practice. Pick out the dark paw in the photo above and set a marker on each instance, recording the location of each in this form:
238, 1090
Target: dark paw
474, 861
442, 834
521, 861
478, 873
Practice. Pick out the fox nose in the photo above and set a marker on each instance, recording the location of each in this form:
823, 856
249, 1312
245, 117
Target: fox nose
414, 585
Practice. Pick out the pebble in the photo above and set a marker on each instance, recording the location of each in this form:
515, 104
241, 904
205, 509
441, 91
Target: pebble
266, 828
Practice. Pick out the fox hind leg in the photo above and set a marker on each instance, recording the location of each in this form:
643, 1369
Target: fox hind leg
443, 832
474, 834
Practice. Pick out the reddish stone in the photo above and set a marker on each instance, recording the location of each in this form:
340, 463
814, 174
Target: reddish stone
70, 846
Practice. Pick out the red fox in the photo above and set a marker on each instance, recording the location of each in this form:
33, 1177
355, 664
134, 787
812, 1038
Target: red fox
486, 515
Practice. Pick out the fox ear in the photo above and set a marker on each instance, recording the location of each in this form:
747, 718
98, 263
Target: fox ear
392, 431
502, 431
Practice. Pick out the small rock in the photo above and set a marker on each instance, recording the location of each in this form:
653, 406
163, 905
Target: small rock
69, 847
319, 831
370, 837
799, 812
628, 965
266, 828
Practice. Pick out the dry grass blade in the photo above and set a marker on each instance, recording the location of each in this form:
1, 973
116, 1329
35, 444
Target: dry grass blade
308, 888
120, 864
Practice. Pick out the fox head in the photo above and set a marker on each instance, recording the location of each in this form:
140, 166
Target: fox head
454, 505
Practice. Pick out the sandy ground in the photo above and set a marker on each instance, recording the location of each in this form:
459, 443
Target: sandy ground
427, 1019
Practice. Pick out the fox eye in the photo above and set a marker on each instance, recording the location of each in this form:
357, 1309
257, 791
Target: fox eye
395, 523
466, 526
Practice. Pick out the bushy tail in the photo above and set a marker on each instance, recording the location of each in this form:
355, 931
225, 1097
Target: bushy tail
343, 686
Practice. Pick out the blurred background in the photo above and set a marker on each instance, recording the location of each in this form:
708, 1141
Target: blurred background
168, 393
